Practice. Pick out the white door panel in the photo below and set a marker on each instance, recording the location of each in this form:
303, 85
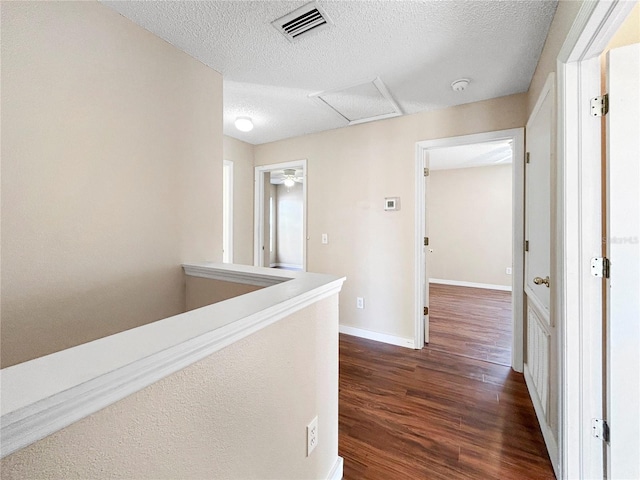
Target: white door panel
538, 201
623, 237
540, 367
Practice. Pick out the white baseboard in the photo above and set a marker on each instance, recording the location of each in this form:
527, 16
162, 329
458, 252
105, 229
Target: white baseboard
377, 336
459, 283
337, 470
547, 434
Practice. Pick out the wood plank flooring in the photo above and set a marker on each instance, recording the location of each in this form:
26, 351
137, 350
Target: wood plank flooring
472, 322
430, 414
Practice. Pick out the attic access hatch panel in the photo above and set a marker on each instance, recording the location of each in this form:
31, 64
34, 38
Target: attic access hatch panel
361, 103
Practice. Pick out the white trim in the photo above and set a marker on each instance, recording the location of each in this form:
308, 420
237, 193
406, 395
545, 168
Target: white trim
336, 472
461, 283
516, 135
547, 434
258, 252
234, 274
42, 396
578, 295
377, 336
419, 252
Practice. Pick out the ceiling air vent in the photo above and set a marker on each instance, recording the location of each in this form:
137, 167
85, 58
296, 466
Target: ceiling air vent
305, 19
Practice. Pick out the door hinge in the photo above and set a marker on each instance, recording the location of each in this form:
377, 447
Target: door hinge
426, 311
526, 245
528, 157
600, 429
600, 105
600, 267
426, 172
426, 241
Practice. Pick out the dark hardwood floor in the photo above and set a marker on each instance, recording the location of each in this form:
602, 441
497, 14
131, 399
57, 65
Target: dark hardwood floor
472, 322
431, 414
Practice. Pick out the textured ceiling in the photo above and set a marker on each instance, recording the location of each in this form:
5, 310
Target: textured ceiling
417, 48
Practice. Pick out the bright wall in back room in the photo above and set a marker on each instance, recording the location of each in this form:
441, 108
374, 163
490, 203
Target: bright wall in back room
241, 154
111, 175
289, 226
470, 224
350, 171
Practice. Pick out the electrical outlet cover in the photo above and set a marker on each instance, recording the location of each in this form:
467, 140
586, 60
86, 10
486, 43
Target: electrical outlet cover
312, 435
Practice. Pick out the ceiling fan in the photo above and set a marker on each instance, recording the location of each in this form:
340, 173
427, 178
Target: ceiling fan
288, 177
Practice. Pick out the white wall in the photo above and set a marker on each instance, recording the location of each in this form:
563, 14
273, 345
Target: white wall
289, 225
241, 154
111, 175
240, 413
470, 224
350, 172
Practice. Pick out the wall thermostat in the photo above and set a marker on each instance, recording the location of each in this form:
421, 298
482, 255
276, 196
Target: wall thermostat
392, 203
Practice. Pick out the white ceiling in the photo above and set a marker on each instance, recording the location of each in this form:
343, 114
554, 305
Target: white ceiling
476, 155
417, 48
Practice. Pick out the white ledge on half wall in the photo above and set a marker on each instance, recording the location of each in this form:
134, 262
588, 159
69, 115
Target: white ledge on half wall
47, 394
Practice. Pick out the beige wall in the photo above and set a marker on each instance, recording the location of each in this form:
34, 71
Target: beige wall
111, 175
207, 291
470, 224
350, 172
289, 221
241, 154
233, 415
629, 31
627, 34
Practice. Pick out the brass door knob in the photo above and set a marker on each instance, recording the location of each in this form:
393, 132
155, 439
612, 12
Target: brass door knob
541, 281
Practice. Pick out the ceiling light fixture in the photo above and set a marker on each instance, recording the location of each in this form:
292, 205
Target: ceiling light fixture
289, 177
460, 85
244, 124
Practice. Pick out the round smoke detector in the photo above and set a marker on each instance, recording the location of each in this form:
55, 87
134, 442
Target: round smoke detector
460, 85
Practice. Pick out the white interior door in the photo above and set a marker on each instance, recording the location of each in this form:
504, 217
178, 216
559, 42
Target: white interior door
540, 369
538, 203
623, 237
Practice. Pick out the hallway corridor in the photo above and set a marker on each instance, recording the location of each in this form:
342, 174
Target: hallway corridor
428, 414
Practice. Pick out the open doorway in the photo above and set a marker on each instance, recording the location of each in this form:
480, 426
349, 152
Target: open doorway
469, 200
422, 246
280, 220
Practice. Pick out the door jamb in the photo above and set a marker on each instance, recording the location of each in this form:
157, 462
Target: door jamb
516, 135
258, 224
579, 302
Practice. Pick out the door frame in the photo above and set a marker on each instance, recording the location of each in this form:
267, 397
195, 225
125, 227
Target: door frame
516, 135
258, 224
579, 180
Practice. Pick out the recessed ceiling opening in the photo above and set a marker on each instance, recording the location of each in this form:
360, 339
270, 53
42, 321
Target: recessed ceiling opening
361, 103
310, 17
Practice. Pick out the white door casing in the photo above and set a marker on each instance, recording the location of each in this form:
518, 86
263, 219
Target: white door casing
516, 136
623, 250
261, 208
425, 248
578, 299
